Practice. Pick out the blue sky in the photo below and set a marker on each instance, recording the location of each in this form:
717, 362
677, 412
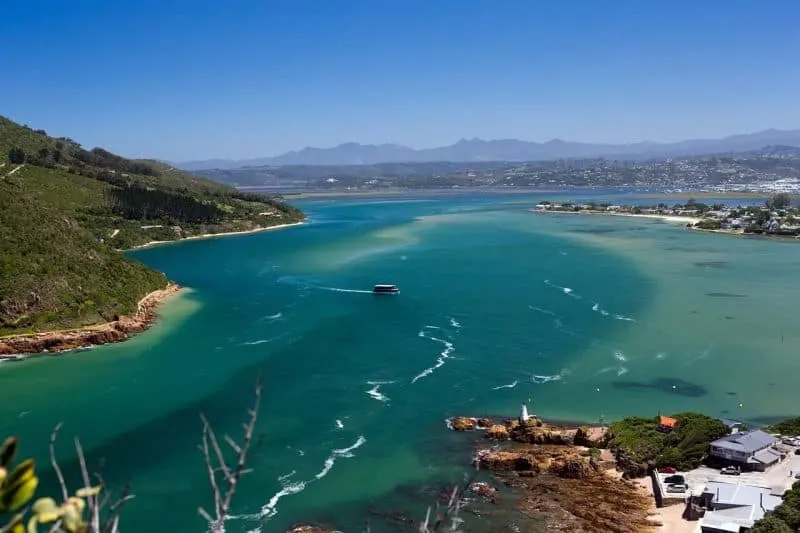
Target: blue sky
197, 79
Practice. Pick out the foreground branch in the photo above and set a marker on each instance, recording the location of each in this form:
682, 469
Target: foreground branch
217, 463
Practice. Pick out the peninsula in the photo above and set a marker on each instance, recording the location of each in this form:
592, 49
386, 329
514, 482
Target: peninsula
776, 218
65, 215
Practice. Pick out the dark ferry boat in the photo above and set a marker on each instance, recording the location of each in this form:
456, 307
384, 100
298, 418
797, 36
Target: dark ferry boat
385, 289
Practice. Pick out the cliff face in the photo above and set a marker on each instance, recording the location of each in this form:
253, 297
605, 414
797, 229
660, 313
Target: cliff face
115, 331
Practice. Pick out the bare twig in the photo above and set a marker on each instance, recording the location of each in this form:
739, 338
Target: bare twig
94, 512
56, 469
222, 502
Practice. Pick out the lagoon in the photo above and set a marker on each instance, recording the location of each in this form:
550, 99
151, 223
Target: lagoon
587, 318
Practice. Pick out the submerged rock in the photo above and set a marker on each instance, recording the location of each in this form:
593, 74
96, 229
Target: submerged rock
305, 528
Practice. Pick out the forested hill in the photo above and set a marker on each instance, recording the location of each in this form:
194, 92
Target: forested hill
66, 211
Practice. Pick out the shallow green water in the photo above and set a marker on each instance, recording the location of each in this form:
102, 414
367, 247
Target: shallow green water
588, 317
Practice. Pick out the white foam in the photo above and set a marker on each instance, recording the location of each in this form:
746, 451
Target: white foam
339, 424
661, 355
539, 379
254, 343
344, 453
455, 323
621, 371
606, 370
597, 309
276, 316
286, 477
374, 392
566, 290
449, 348
620, 356
338, 289
540, 310
625, 318
509, 386
271, 508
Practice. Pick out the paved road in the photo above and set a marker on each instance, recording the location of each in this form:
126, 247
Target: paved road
779, 476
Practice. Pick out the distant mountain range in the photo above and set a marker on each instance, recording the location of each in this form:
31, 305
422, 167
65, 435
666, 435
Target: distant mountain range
477, 150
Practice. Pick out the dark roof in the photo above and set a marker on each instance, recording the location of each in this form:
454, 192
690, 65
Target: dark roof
746, 441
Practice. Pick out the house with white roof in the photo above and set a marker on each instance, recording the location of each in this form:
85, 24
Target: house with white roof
734, 508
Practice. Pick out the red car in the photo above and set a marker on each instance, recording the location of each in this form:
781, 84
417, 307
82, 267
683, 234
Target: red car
667, 470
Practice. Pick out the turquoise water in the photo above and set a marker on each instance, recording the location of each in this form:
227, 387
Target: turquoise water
588, 317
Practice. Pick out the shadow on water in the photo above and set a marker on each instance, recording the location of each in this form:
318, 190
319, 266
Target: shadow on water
711, 264
666, 385
725, 295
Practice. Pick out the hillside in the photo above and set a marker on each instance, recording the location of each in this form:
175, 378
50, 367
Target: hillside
66, 211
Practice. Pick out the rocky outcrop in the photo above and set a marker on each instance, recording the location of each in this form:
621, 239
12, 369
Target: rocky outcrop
462, 423
497, 432
17, 346
562, 461
484, 423
535, 432
630, 469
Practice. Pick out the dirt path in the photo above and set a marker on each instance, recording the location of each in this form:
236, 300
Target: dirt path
114, 233
15, 169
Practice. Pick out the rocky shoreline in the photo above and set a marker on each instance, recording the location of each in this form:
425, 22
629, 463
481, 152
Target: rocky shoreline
564, 475
17, 347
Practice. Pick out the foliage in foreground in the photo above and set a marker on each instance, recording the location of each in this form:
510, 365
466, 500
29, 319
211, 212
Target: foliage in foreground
18, 485
785, 518
684, 448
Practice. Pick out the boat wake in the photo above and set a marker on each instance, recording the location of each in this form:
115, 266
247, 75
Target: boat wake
374, 392
339, 424
509, 386
597, 309
455, 323
293, 280
444, 355
619, 355
558, 324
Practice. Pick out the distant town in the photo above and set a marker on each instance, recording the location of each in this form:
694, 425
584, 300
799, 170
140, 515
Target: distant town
768, 170
777, 217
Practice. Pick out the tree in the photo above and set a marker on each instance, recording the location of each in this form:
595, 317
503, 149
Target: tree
782, 200
16, 156
771, 524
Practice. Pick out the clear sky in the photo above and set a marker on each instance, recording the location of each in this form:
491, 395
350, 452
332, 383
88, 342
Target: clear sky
180, 79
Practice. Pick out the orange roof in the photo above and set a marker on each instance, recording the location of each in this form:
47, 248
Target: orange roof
667, 421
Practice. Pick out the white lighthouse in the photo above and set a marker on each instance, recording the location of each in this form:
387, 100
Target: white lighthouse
523, 414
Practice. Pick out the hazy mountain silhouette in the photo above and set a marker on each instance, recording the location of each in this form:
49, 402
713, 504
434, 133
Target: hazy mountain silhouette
468, 150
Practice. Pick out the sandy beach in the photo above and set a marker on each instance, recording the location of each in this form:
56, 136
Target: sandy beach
213, 235
666, 218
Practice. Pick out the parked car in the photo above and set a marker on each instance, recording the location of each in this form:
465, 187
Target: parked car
797, 451
667, 469
677, 487
731, 470
797, 475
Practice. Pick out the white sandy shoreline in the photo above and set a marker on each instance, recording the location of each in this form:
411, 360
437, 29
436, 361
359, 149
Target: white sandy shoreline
666, 218
212, 235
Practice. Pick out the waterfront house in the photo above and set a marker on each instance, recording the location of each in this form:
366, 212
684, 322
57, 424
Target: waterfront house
753, 450
733, 508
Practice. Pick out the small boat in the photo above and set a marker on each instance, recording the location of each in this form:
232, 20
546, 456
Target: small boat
385, 289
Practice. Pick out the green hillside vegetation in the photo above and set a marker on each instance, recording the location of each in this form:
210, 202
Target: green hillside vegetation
790, 426
66, 212
683, 448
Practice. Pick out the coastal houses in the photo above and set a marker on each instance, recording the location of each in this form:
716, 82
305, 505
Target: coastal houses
732, 508
750, 450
